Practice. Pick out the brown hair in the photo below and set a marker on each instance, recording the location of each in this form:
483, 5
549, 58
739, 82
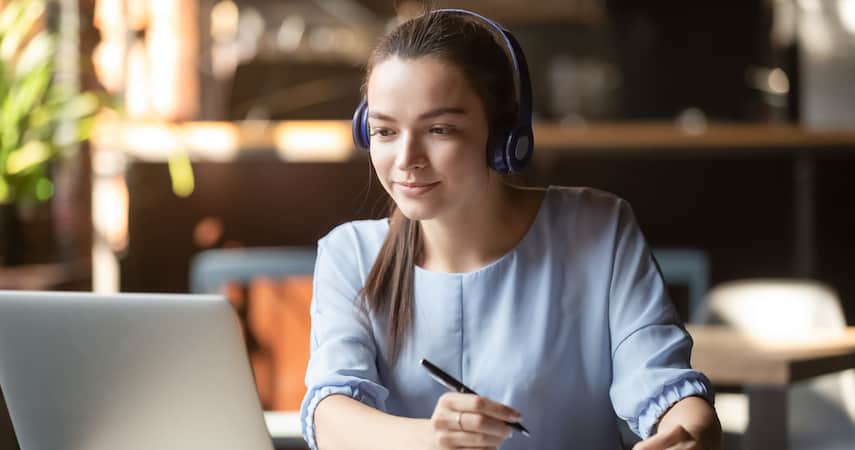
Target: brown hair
473, 46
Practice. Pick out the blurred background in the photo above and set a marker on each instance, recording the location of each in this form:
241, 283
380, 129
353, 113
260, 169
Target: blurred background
138, 136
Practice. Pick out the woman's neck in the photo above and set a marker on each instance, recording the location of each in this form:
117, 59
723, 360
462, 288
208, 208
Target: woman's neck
480, 233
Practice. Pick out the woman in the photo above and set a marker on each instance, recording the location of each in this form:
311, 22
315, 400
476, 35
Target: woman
546, 302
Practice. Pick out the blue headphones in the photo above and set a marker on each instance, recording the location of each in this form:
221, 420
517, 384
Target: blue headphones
511, 148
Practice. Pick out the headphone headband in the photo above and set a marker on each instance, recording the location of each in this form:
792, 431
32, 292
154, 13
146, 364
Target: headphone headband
520, 64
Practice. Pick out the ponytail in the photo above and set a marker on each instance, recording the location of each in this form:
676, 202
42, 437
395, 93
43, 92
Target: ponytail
390, 286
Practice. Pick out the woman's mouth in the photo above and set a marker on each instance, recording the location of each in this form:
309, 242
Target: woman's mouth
414, 189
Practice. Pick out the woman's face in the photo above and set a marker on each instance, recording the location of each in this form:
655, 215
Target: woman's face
428, 136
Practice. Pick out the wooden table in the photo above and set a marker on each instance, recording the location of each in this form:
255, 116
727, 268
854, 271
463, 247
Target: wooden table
766, 369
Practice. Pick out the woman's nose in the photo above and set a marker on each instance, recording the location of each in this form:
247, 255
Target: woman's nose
411, 155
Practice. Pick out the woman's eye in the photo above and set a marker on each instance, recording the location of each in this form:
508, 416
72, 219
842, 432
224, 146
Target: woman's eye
441, 130
382, 132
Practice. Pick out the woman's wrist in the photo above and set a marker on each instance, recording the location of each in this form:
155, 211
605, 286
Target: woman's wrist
698, 418
425, 435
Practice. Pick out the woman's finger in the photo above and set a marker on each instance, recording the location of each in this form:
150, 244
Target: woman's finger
465, 439
483, 405
470, 423
479, 423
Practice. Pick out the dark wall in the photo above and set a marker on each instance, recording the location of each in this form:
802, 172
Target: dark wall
665, 55
676, 54
739, 210
259, 202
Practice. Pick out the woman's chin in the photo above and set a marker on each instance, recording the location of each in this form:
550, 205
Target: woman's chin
415, 211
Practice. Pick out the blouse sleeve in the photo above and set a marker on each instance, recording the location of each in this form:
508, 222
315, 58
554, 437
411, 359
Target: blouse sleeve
342, 347
651, 351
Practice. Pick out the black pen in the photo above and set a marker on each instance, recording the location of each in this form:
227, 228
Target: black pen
454, 385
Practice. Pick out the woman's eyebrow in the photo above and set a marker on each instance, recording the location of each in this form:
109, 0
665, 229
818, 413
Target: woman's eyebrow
441, 111
427, 115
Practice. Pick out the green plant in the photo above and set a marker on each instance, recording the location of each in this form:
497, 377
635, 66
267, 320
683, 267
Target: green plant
41, 120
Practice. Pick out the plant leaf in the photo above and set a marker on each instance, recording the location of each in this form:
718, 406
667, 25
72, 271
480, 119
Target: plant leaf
20, 28
39, 51
27, 157
11, 13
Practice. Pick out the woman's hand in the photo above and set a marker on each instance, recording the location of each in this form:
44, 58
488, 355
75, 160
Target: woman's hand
690, 423
469, 421
676, 438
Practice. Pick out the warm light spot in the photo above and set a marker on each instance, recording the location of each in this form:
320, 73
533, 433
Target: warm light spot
173, 51
250, 29
812, 6
732, 409
153, 141
137, 93
778, 82
776, 311
207, 232
214, 140
137, 13
109, 55
815, 35
846, 10
290, 33
314, 140
692, 121
323, 39
224, 21
110, 210
105, 269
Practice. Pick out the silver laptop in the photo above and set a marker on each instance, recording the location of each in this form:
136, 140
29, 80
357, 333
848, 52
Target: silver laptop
127, 371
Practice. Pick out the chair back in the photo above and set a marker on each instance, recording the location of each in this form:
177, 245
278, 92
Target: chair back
687, 267
210, 270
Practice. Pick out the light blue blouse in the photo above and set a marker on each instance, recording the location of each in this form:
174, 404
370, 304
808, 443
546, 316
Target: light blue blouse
571, 327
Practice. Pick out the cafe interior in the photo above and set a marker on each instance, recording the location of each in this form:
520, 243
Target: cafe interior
205, 146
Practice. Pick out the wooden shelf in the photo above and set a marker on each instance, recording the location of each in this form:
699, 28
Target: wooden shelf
330, 141
664, 135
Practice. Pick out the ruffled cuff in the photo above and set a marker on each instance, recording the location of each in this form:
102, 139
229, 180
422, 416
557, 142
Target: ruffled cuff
318, 393
694, 384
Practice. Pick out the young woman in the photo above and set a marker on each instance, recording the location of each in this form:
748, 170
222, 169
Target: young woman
546, 302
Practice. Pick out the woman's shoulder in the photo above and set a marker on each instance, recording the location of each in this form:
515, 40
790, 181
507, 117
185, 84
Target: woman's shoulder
585, 194
360, 237
586, 202
586, 219
350, 249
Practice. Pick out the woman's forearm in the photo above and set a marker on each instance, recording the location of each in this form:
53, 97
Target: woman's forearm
698, 418
342, 423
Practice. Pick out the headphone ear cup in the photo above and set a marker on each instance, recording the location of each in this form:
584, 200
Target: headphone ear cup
359, 126
520, 148
496, 152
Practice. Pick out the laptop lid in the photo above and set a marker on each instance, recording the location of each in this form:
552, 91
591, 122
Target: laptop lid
130, 371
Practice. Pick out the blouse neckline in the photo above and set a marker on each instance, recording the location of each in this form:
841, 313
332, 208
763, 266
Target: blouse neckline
536, 223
